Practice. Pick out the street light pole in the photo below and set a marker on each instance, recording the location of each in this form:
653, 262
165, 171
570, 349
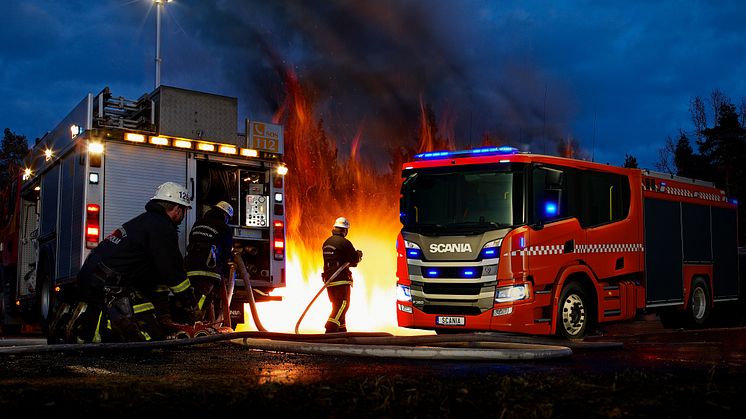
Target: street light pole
158, 6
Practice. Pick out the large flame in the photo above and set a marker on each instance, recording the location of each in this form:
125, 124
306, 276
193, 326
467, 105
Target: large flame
321, 187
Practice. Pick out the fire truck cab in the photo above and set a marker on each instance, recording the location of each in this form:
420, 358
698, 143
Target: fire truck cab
98, 168
494, 239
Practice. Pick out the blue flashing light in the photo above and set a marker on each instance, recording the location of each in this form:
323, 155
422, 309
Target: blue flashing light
550, 208
522, 242
473, 152
489, 252
432, 272
413, 253
468, 272
431, 154
734, 201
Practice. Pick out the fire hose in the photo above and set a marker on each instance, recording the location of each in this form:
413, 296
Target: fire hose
326, 284
247, 280
466, 347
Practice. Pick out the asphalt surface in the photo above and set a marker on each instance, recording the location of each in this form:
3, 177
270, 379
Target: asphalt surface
654, 373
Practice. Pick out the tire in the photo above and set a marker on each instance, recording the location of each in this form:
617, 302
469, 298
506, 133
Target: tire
46, 297
700, 304
573, 312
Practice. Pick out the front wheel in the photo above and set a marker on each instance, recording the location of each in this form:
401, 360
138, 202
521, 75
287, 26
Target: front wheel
573, 313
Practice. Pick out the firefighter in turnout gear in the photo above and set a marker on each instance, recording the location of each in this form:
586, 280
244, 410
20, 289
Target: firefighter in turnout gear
339, 251
119, 279
208, 255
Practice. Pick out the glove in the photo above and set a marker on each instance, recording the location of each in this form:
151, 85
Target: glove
359, 255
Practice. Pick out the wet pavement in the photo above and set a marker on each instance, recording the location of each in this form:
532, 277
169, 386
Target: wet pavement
656, 372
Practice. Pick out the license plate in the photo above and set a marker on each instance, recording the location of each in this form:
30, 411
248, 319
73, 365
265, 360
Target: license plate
450, 321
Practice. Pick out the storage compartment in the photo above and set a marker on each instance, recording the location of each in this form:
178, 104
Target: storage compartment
246, 189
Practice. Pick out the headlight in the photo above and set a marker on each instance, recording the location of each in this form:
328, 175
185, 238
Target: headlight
512, 293
403, 293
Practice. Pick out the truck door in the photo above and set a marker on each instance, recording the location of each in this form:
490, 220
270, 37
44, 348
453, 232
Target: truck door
131, 175
556, 234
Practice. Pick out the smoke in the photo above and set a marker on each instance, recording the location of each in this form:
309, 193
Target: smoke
369, 67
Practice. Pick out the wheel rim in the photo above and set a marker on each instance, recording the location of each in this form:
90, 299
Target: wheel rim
573, 314
699, 303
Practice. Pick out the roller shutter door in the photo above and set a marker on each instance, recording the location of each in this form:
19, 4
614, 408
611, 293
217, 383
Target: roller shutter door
131, 174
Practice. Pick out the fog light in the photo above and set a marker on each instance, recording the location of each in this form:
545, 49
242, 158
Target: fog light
502, 311
406, 309
403, 293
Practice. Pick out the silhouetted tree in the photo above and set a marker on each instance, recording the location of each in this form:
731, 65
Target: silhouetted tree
721, 148
630, 161
12, 151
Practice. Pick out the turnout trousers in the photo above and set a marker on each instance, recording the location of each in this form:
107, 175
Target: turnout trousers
339, 295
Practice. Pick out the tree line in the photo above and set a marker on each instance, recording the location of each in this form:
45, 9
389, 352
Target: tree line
715, 150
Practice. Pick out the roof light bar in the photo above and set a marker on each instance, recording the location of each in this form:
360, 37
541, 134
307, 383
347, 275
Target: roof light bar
182, 144
159, 141
483, 151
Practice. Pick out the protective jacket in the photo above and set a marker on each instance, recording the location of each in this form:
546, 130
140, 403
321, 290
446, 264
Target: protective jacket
337, 251
143, 253
210, 243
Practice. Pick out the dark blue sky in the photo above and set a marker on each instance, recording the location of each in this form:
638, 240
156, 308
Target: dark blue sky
529, 72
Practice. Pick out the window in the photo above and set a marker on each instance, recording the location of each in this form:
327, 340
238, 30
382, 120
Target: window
605, 198
549, 194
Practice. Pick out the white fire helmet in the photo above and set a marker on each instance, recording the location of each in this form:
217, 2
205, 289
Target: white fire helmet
173, 192
226, 207
342, 222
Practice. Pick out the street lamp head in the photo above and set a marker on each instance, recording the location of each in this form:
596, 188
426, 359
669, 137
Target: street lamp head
161, 1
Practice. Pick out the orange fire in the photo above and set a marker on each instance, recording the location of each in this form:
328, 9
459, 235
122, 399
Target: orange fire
321, 187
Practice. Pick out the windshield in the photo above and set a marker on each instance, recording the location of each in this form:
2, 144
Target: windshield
467, 201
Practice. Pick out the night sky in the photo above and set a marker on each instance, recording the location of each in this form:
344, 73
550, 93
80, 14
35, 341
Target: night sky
615, 76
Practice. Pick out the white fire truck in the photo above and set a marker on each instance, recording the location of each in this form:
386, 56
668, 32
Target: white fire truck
102, 163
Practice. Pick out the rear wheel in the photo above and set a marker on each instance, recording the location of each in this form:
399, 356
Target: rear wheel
700, 304
573, 313
46, 297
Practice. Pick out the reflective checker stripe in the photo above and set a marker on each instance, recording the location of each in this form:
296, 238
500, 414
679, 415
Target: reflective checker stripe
558, 249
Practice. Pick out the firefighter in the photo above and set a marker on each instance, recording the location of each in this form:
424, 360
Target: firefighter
209, 253
119, 277
338, 251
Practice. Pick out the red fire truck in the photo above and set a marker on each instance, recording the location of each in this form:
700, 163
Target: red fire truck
494, 239
102, 163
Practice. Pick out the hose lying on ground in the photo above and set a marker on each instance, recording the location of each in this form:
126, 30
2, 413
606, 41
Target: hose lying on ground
468, 347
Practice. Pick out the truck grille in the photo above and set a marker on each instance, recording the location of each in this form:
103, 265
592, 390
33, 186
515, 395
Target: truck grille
453, 289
